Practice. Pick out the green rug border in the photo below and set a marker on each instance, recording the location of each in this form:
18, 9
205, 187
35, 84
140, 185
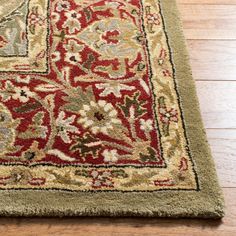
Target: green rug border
207, 203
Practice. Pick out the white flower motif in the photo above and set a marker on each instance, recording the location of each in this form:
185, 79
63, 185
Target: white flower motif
94, 174
73, 46
23, 79
73, 50
146, 125
72, 22
113, 88
99, 117
153, 19
73, 58
55, 17
56, 56
64, 126
63, 6
110, 155
22, 94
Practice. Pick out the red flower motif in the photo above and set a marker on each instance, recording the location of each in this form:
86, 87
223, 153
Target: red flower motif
164, 183
3, 41
35, 18
111, 37
153, 19
101, 179
183, 164
168, 115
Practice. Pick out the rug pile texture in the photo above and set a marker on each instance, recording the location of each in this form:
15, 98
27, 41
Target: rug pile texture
98, 112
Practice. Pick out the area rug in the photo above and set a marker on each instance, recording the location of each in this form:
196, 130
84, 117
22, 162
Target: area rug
99, 114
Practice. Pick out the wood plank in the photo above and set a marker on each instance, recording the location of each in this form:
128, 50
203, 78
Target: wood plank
124, 226
223, 146
217, 103
213, 60
209, 21
208, 2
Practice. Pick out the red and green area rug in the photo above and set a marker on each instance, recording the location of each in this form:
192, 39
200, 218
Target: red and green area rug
98, 112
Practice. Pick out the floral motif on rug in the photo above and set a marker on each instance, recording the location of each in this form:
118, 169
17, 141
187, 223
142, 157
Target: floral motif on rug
88, 98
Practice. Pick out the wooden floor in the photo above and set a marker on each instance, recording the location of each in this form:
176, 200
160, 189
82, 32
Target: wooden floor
210, 29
